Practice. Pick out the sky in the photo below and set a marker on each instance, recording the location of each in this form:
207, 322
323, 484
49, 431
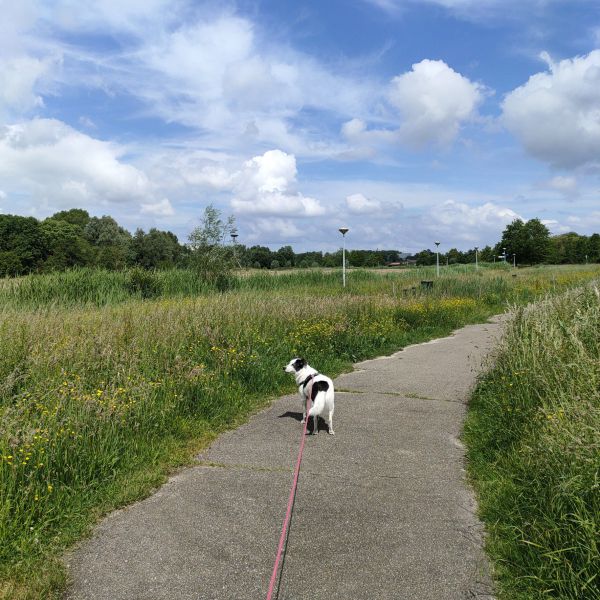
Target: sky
407, 121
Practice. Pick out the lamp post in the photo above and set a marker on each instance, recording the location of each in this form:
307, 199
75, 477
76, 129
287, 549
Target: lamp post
504, 254
437, 258
343, 231
476, 265
234, 235
514, 261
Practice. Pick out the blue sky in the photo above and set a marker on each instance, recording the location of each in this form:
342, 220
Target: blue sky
405, 120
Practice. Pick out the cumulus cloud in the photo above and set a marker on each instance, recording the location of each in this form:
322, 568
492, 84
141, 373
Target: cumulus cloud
359, 204
556, 114
266, 185
273, 230
50, 160
468, 223
163, 208
434, 101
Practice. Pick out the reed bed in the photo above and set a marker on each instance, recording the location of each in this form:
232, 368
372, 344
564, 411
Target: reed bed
533, 438
103, 392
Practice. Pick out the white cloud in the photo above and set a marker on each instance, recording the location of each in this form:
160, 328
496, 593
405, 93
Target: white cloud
26, 66
470, 9
434, 101
563, 184
359, 204
469, 224
18, 78
163, 208
249, 79
556, 114
266, 185
273, 231
53, 162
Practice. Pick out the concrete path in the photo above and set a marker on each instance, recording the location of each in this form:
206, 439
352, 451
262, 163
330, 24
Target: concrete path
382, 510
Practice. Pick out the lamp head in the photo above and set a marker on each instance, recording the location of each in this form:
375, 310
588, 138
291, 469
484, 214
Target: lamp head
343, 230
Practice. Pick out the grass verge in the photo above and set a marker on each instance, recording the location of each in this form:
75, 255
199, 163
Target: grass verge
533, 440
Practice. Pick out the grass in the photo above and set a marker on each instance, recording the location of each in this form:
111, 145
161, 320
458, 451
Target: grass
103, 393
533, 439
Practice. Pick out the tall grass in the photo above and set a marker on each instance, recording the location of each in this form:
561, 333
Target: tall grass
102, 392
533, 437
97, 287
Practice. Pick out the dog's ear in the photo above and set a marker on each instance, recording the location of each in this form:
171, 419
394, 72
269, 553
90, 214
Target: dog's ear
299, 363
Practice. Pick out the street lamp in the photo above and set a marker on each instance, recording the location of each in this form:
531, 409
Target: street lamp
437, 258
504, 254
476, 265
343, 231
234, 235
514, 260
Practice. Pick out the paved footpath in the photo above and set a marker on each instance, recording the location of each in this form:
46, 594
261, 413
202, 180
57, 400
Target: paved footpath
382, 510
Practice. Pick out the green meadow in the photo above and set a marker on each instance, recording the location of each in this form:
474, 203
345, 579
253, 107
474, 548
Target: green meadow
110, 380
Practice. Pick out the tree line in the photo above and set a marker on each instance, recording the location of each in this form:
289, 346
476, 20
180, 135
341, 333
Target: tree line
73, 238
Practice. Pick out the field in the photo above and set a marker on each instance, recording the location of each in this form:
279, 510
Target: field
110, 380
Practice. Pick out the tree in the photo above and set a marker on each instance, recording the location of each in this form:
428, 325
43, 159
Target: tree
10, 264
261, 255
75, 216
285, 255
486, 254
154, 250
111, 242
425, 257
23, 239
529, 241
66, 245
594, 248
211, 257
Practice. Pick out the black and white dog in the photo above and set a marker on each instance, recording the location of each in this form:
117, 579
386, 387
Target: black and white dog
320, 389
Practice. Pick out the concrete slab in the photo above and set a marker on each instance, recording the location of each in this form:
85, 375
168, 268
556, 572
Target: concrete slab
382, 509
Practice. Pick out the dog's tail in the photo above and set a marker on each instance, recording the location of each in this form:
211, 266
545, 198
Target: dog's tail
317, 397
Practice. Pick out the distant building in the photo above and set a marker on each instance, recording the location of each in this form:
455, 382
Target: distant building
405, 260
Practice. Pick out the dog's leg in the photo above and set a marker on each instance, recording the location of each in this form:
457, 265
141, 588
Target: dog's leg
330, 423
315, 424
303, 410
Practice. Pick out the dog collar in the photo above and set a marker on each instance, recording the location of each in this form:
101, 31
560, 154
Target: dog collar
303, 384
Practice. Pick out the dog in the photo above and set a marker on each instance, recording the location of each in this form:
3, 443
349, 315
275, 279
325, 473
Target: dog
319, 387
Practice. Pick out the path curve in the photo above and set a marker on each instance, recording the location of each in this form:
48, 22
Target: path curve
382, 511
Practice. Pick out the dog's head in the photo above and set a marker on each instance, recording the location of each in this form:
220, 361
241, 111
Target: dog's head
295, 365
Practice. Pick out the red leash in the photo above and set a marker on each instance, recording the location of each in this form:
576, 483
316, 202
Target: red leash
288, 514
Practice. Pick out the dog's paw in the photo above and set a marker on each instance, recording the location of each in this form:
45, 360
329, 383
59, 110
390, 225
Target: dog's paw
331, 432
303, 421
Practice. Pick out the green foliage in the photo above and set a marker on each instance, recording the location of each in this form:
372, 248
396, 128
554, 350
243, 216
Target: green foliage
529, 241
66, 245
144, 283
10, 264
212, 259
24, 241
75, 216
110, 240
155, 249
571, 248
533, 437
